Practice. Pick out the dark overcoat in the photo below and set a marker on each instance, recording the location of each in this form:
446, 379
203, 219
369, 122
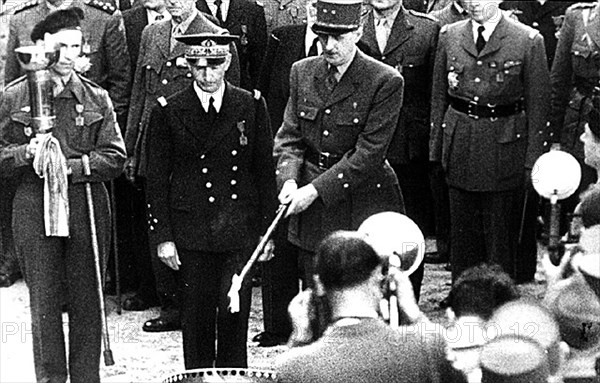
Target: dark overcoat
161, 73
410, 49
357, 121
489, 154
206, 190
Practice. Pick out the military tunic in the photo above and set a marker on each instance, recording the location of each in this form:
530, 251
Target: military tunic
104, 45
211, 190
48, 261
338, 142
485, 158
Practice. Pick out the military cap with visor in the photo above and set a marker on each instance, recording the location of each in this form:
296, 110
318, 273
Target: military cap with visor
336, 17
204, 49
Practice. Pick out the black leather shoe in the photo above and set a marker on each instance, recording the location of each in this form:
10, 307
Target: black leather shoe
161, 325
8, 279
137, 303
268, 339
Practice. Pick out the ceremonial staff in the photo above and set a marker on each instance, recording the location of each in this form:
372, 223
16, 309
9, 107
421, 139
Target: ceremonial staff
108, 356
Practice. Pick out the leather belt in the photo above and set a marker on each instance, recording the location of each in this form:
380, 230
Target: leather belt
475, 110
324, 160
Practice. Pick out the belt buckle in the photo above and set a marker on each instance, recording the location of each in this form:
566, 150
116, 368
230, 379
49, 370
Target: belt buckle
469, 110
324, 160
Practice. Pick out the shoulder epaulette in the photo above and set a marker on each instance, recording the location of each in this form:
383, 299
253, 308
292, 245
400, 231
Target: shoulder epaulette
101, 5
24, 6
533, 33
260, 3
444, 28
422, 15
15, 82
256, 94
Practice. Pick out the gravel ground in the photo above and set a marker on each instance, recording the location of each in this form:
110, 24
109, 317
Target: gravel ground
145, 357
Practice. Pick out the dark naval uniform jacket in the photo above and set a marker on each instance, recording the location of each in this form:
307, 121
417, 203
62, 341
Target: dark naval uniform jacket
575, 74
161, 73
104, 45
546, 18
487, 153
338, 142
245, 18
208, 188
411, 50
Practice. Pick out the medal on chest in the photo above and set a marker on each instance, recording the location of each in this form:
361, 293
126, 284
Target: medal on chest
453, 80
79, 121
241, 126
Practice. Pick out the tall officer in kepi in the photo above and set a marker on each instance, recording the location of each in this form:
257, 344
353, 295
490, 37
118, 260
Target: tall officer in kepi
51, 225
340, 117
211, 194
407, 40
489, 107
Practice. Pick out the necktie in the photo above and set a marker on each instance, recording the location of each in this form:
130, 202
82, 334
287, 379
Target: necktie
219, 14
381, 33
480, 43
331, 81
175, 32
314, 51
212, 112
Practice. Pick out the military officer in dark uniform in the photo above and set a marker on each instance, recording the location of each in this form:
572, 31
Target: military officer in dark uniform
244, 18
49, 255
575, 79
340, 118
489, 106
211, 194
407, 40
162, 71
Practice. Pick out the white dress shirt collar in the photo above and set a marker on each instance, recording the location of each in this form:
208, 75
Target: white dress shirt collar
489, 26
343, 68
213, 8
183, 26
204, 97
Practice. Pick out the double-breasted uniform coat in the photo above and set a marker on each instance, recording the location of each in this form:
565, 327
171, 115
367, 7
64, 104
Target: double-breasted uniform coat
245, 18
50, 263
348, 132
486, 158
211, 190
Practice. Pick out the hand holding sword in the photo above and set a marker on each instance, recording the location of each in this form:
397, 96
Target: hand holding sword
237, 280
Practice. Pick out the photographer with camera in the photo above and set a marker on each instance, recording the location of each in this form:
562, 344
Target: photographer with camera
357, 345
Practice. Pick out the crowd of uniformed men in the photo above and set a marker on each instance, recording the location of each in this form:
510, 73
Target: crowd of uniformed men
447, 131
